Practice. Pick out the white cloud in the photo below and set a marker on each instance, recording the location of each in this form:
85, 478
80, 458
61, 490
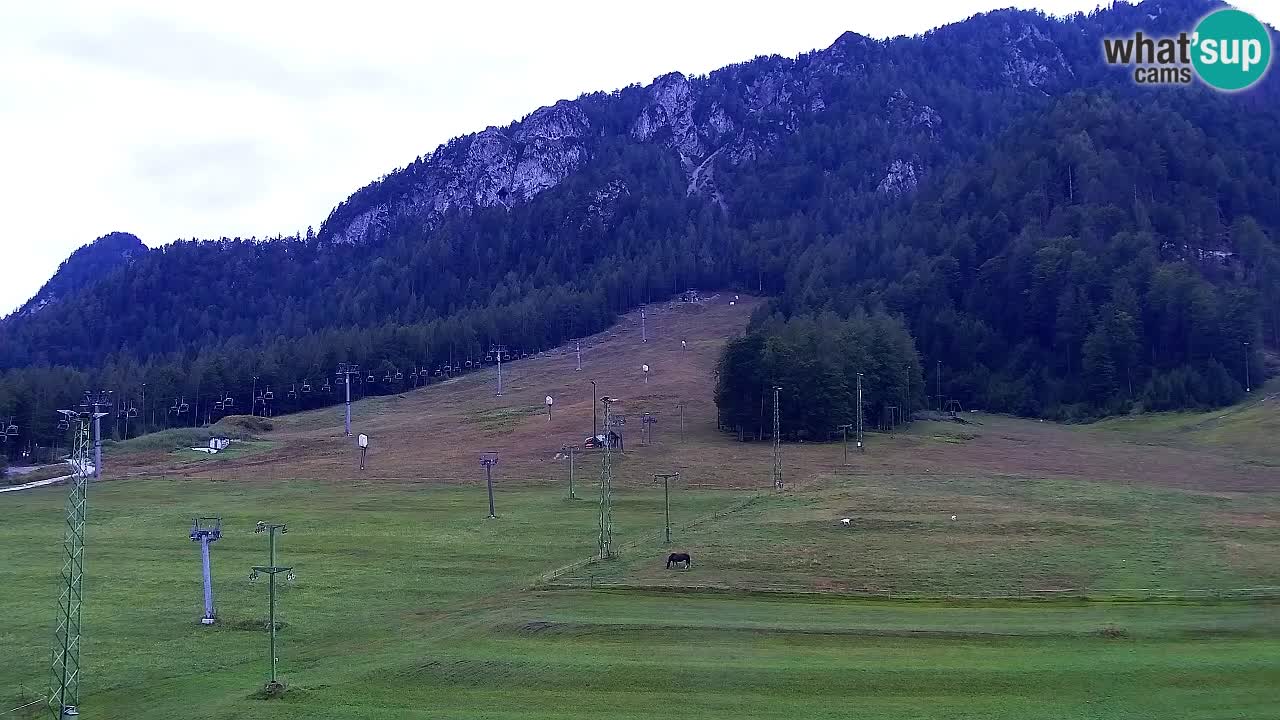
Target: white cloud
246, 119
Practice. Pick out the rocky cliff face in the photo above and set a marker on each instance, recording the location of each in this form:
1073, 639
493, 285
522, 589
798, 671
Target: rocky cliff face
732, 116
493, 167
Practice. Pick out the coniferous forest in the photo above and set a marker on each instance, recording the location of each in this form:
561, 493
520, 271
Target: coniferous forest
1101, 249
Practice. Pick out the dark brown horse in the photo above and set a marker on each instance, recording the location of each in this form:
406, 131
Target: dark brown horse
677, 558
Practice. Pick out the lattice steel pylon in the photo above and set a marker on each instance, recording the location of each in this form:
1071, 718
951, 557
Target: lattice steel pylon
64, 695
606, 508
605, 546
777, 443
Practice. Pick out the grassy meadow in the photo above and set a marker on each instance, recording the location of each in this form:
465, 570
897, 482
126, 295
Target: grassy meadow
408, 603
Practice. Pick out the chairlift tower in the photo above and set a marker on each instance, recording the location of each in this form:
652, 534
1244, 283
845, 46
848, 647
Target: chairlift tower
777, 442
64, 691
499, 351
346, 370
647, 421
205, 530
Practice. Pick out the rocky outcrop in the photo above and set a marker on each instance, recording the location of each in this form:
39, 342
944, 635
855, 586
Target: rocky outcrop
491, 168
732, 116
902, 177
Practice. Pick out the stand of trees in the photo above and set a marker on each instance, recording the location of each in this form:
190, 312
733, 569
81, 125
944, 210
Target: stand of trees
816, 361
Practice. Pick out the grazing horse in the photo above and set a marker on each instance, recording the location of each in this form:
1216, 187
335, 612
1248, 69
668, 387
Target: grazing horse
677, 558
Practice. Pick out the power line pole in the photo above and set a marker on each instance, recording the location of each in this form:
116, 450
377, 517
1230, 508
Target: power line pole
644, 335
578, 345
939, 386
666, 496
64, 694
777, 442
570, 450
860, 446
906, 419
595, 422
488, 460
346, 370
1247, 385
274, 686
253, 395
680, 406
845, 429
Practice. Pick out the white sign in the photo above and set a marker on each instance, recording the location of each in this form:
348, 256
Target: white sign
644, 368
363, 440
549, 400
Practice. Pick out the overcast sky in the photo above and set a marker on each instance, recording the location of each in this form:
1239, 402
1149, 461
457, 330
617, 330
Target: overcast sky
180, 120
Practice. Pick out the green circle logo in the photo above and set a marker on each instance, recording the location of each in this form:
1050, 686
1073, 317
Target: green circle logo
1231, 50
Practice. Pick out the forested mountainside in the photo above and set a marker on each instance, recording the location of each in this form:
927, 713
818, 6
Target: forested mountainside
1063, 241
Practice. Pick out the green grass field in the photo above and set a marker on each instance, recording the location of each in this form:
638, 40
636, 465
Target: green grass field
408, 603
1011, 536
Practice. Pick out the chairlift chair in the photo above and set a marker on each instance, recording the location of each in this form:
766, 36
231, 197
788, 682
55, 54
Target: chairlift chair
488, 357
133, 412
270, 395
183, 406
293, 392
62, 425
371, 378
326, 387
469, 364
306, 387
12, 430
399, 376
229, 403
218, 406
438, 372
448, 369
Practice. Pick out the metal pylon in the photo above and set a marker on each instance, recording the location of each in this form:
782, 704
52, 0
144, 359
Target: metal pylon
606, 507
64, 695
777, 443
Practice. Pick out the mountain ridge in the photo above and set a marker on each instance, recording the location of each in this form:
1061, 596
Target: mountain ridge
862, 201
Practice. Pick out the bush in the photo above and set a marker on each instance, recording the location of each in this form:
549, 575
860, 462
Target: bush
179, 438
251, 423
